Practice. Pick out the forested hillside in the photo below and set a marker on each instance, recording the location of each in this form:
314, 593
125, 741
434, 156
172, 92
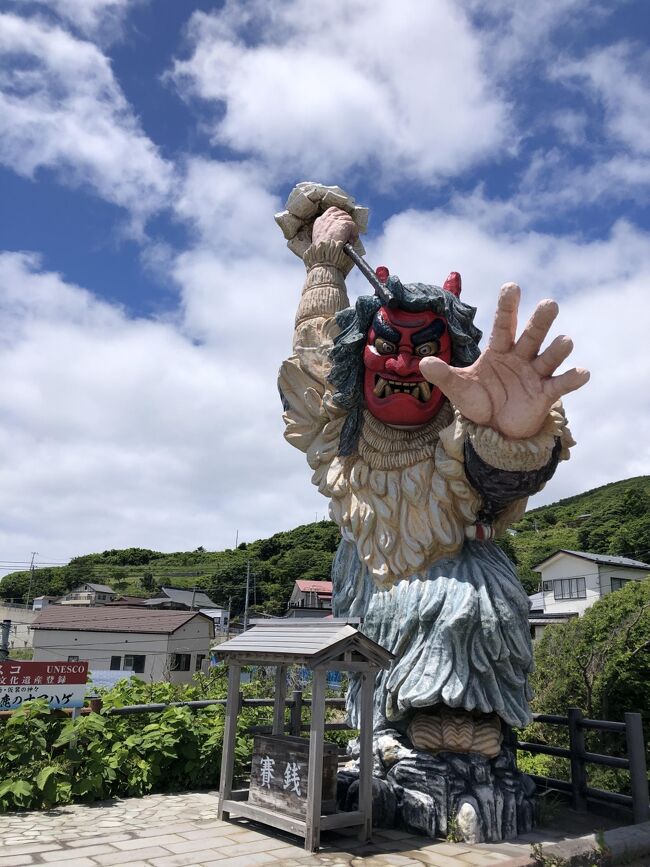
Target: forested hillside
613, 519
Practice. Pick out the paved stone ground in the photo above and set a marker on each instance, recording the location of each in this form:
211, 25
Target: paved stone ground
183, 831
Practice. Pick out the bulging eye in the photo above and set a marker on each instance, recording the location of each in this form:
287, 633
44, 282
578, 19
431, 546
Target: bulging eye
385, 347
432, 347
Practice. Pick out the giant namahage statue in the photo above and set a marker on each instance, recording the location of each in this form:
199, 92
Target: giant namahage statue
427, 448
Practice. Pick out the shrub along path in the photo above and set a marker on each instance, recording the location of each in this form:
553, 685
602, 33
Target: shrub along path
181, 830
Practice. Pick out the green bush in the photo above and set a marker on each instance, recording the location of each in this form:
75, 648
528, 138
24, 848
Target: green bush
47, 759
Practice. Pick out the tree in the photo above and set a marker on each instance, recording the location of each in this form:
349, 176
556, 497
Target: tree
599, 662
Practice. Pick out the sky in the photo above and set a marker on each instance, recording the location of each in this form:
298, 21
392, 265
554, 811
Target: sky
147, 296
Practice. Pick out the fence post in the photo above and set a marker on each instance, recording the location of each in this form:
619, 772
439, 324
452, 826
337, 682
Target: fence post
578, 770
4, 639
638, 772
296, 713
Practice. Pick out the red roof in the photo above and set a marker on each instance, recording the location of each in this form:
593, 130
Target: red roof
320, 587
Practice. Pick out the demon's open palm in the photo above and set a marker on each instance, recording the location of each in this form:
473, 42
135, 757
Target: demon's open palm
511, 386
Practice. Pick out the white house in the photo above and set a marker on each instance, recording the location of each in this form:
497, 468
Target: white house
571, 581
153, 645
310, 599
219, 616
89, 594
41, 602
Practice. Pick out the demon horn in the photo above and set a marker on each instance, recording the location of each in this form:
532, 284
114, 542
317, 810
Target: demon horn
453, 284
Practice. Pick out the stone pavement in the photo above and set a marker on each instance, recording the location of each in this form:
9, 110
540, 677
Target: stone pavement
181, 830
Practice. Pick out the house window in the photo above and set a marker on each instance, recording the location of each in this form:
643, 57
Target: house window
181, 661
617, 583
134, 663
116, 663
199, 659
73, 659
569, 588
547, 585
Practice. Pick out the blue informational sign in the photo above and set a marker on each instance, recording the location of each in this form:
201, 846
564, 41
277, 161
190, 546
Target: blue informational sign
107, 679
334, 680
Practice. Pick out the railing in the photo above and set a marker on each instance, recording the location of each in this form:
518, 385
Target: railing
579, 757
10, 603
295, 704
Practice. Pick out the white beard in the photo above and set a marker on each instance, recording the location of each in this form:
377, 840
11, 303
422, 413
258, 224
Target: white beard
403, 499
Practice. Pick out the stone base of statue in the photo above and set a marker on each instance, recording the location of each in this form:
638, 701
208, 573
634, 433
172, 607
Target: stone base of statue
459, 796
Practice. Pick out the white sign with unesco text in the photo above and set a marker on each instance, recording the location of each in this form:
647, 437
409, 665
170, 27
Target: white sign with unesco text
63, 684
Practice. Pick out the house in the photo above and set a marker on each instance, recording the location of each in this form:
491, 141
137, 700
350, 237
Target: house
220, 617
310, 599
127, 602
180, 600
89, 594
41, 602
153, 645
571, 581
538, 619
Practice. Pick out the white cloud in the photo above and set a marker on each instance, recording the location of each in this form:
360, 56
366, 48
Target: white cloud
617, 78
610, 160
553, 181
100, 20
515, 33
118, 432
397, 89
62, 109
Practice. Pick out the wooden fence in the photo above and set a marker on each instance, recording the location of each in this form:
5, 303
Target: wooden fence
635, 763
295, 704
579, 757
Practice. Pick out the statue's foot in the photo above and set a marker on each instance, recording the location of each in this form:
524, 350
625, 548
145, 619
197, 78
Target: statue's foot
458, 796
446, 729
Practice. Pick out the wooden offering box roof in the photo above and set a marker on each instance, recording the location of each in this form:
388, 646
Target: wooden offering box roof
306, 641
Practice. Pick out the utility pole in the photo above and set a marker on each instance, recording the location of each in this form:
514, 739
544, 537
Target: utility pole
193, 598
228, 621
248, 585
4, 639
31, 578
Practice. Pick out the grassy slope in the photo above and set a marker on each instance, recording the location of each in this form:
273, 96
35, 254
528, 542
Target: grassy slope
618, 522
612, 519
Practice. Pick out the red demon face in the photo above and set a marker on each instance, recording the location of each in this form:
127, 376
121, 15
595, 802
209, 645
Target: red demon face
395, 391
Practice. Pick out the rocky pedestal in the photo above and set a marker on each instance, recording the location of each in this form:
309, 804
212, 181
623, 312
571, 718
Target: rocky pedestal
461, 796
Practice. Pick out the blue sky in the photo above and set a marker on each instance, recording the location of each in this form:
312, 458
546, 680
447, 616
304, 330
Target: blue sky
147, 295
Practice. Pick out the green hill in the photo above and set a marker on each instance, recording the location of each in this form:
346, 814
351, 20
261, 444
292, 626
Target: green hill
613, 519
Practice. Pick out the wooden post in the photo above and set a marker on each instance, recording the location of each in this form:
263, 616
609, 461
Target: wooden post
578, 770
315, 780
638, 772
296, 713
365, 754
280, 699
229, 734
